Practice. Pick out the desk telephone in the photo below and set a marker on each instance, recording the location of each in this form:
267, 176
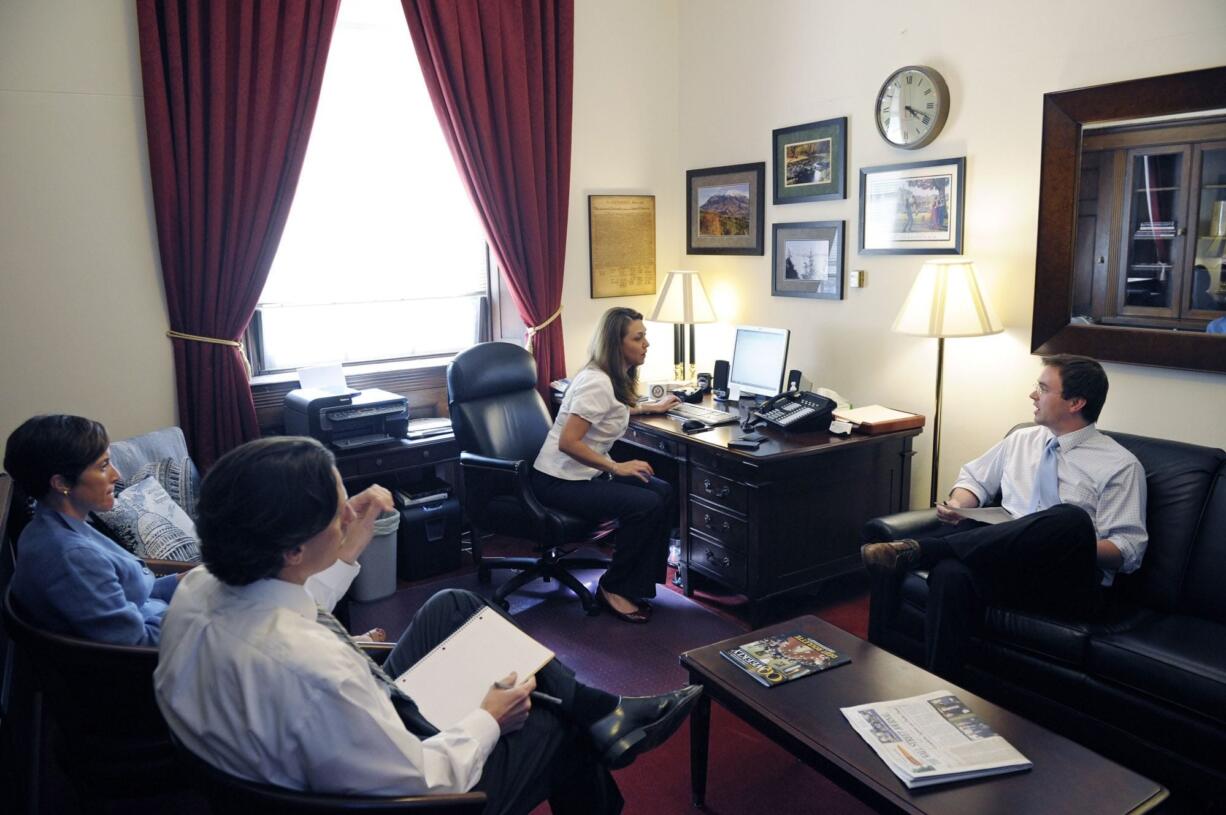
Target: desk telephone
797, 412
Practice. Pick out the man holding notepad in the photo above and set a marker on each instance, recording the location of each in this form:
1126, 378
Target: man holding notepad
1076, 499
256, 680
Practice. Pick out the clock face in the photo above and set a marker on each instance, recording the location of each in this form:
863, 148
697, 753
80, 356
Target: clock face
912, 107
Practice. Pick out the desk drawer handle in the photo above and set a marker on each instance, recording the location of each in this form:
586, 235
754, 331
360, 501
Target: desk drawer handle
720, 493
724, 561
706, 521
662, 445
378, 462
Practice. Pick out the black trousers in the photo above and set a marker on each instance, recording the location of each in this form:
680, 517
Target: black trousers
1046, 561
643, 510
550, 757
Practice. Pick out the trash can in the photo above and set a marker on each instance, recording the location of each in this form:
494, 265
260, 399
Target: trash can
378, 576
429, 539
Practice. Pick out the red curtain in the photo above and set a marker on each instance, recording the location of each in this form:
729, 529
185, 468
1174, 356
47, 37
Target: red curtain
501, 75
230, 94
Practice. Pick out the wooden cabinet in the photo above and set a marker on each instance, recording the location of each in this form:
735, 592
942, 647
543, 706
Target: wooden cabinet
1151, 228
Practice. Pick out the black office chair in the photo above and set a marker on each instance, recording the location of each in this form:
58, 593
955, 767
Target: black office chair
109, 735
228, 793
500, 422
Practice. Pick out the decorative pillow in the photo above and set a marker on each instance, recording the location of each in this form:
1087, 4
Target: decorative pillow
151, 525
175, 476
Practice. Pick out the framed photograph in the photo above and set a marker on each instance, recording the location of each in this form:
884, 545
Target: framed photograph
810, 162
912, 209
622, 244
723, 211
807, 260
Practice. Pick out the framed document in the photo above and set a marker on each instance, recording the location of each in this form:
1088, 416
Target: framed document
622, 244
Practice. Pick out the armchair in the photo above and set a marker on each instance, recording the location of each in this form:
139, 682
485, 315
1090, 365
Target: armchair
229, 793
500, 422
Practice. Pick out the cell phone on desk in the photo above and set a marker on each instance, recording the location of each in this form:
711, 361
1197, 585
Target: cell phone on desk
744, 444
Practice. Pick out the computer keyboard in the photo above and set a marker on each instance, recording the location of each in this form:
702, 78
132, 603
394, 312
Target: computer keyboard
708, 416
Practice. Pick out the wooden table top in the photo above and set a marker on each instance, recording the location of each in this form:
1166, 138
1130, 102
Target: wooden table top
803, 715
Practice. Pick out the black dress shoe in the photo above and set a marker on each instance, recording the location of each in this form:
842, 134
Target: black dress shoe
641, 723
639, 615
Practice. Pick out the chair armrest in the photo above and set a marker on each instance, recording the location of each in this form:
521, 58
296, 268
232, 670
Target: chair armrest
913, 524
488, 462
500, 476
165, 567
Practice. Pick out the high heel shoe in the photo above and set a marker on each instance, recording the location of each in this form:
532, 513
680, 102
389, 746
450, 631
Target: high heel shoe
638, 616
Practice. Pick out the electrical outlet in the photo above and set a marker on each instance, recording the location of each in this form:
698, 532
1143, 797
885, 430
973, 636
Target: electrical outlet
856, 279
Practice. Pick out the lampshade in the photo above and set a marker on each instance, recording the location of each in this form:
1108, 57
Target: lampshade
682, 300
946, 301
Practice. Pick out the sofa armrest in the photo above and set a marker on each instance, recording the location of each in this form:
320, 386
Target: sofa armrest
165, 567
913, 524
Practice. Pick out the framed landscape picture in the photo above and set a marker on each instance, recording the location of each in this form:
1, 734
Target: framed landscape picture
807, 260
912, 209
724, 210
810, 162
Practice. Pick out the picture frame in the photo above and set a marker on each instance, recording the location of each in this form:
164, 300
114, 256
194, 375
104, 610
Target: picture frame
724, 211
622, 245
913, 209
810, 162
807, 260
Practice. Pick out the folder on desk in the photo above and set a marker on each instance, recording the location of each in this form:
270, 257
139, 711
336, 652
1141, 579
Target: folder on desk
874, 419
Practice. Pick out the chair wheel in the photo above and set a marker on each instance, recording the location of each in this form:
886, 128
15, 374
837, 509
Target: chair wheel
505, 605
483, 575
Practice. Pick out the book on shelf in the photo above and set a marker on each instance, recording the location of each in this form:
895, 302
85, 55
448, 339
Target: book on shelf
933, 739
783, 657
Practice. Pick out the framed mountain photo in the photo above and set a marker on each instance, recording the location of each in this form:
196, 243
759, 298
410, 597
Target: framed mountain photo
724, 210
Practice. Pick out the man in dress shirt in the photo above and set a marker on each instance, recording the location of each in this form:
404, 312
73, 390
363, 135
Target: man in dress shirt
255, 679
1078, 499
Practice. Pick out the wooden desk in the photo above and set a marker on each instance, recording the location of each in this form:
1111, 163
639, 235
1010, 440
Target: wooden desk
784, 517
398, 459
803, 716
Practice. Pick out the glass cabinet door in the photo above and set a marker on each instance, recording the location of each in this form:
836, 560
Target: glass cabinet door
1206, 296
1154, 231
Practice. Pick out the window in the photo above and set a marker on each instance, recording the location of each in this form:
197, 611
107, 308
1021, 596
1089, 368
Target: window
383, 256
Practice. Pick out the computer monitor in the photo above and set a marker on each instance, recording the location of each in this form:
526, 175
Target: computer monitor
759, 356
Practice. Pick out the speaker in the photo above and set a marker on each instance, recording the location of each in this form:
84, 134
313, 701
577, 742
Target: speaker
797, 381
719, 383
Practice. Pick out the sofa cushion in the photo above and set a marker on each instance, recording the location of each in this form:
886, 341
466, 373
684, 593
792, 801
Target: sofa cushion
1178, 477
175, 476
1203, 595
149, 523
1176, 659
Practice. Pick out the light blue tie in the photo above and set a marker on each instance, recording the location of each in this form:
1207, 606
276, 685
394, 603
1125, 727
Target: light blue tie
1046, 483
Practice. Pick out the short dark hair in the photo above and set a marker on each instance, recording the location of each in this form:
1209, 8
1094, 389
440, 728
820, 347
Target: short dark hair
55, 444
261, 500
1081, 378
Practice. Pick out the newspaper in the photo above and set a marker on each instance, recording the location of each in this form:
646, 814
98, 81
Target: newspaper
932, 739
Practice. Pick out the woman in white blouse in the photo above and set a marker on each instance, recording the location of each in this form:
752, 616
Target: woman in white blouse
573, 471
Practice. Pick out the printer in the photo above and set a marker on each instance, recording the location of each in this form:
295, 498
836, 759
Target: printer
346, 420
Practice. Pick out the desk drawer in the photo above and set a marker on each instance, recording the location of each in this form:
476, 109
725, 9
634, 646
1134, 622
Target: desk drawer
381, 462
717, 489
651, 441
724, 527
719, 561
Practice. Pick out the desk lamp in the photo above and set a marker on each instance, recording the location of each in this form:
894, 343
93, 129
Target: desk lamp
683, 302
945, 301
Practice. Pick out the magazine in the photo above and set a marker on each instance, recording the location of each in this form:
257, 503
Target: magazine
783, 657
933, 738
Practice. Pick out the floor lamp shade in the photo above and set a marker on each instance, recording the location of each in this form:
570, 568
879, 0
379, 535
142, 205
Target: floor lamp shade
945, 301
683, 302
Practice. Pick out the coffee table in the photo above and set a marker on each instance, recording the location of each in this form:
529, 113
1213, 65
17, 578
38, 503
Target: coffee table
803, 716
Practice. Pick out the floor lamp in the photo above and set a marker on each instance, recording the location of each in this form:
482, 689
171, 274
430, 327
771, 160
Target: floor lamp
683, 302
945, 301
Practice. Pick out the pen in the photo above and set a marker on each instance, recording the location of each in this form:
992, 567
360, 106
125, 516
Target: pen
536, 694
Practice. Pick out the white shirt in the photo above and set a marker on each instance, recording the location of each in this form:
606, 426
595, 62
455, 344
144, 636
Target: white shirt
247, 679
1094, 472
590, 396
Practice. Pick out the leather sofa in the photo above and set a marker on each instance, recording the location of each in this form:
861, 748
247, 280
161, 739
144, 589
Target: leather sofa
1144, 680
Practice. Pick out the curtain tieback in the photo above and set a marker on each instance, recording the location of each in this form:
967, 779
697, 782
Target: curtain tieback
531, 331
179, 335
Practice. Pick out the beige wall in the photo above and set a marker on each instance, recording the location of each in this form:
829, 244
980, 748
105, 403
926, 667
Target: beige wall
82, 316
747, 68
660, 87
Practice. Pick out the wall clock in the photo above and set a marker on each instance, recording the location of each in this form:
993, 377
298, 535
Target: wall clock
912, 106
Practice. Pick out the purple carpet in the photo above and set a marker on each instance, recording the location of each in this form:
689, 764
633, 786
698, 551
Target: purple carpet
747, 773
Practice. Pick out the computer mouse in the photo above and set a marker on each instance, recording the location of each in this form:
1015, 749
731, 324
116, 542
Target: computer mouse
690, 425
